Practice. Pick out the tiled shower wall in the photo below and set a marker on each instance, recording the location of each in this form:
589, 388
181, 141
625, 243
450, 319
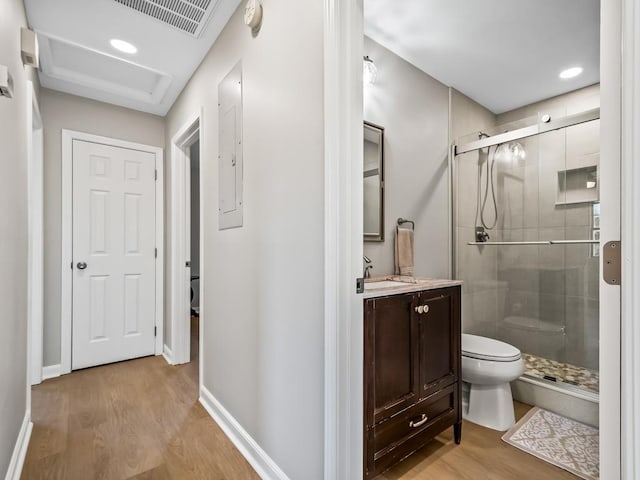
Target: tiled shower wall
542, 299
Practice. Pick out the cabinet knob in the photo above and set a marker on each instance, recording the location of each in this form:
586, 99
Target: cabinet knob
425, 308
420, 309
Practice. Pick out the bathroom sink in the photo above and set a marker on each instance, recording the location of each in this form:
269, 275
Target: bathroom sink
384, 284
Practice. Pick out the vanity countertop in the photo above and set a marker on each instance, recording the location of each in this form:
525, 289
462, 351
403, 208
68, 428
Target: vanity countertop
409, 285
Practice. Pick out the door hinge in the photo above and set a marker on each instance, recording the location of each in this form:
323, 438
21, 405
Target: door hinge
156, 252
155, 175
612, 262
71, 264
155, 331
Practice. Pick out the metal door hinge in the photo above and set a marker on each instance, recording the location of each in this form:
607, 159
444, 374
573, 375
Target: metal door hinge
155, 331
612, 262
360, 285
156, 252
155, 175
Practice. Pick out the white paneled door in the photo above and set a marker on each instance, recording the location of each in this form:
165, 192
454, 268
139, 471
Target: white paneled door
113, 254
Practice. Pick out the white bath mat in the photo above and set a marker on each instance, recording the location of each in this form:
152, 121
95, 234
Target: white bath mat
558, 440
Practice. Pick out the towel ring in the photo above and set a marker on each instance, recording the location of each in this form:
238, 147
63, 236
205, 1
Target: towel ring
404, 220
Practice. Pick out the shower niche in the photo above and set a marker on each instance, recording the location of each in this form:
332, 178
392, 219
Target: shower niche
578, 185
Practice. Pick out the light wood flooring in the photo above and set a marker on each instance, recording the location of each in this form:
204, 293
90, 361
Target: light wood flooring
131, 420
141, 420
482, 455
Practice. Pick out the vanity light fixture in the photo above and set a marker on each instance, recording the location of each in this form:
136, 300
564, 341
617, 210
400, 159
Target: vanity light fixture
570, 73
123, 46
369, 71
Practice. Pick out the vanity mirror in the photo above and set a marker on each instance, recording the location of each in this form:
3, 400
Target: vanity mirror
373, 183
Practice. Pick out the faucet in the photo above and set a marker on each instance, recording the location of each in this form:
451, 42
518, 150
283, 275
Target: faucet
368, 266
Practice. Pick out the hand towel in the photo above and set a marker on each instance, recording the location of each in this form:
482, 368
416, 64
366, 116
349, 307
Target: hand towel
404, 251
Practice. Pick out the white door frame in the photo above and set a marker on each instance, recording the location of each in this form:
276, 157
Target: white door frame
35, 188
343, 380
66, 279
628, 15
343, 308
180, 306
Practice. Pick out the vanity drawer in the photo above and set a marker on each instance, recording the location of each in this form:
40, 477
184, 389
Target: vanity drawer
407, 431
393, 434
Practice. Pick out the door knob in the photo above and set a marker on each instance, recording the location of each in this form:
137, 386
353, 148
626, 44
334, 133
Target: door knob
81, 265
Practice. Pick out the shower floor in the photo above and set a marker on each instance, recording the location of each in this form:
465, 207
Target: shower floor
562, 372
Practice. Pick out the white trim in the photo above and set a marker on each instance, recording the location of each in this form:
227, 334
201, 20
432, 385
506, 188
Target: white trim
168, 355
261, 462
20, 450
51, 371
66, 280
343, 309
610, 314
179, 286
630, 334
35, 206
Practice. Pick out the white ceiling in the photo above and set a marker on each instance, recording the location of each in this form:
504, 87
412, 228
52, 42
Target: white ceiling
76, 56
502, 53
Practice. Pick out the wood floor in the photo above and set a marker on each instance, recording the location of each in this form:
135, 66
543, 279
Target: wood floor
482, 455
132, 420
141, 420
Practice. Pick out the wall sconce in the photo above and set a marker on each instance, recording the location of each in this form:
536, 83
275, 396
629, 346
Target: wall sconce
369, 71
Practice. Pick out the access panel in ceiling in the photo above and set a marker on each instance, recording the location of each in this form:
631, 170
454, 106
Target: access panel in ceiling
190, 16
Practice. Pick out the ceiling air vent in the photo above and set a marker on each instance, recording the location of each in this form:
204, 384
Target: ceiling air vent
190, 16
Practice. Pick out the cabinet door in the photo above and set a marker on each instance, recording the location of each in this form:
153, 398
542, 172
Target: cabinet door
439, 326
391, 356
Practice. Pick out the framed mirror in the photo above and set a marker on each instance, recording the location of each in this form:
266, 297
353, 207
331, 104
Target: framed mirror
373, 183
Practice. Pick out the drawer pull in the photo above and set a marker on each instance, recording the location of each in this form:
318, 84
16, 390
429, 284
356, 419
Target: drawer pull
419, 423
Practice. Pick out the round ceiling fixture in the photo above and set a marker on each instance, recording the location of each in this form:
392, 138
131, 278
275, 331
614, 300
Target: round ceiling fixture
571, 72
123, 46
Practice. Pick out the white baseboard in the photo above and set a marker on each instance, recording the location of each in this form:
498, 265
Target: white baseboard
20, 450
264, 465
167, 353
52, 371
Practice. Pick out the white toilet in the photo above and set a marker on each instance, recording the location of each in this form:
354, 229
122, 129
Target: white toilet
487, 367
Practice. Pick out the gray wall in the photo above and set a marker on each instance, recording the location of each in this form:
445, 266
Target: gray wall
13, 234
63, 111
413, 108
478, 267
263, 320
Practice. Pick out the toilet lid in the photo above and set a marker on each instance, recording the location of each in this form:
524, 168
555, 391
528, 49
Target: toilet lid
483, 348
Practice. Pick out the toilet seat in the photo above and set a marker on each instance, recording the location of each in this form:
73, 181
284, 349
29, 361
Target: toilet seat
482, 348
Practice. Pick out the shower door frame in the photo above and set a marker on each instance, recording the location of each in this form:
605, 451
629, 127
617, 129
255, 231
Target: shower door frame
500, 139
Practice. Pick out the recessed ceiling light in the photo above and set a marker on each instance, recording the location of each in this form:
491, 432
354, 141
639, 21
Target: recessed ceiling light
571, 72
123, 46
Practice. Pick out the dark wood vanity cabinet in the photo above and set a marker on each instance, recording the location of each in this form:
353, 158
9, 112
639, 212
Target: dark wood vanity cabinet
412, 384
